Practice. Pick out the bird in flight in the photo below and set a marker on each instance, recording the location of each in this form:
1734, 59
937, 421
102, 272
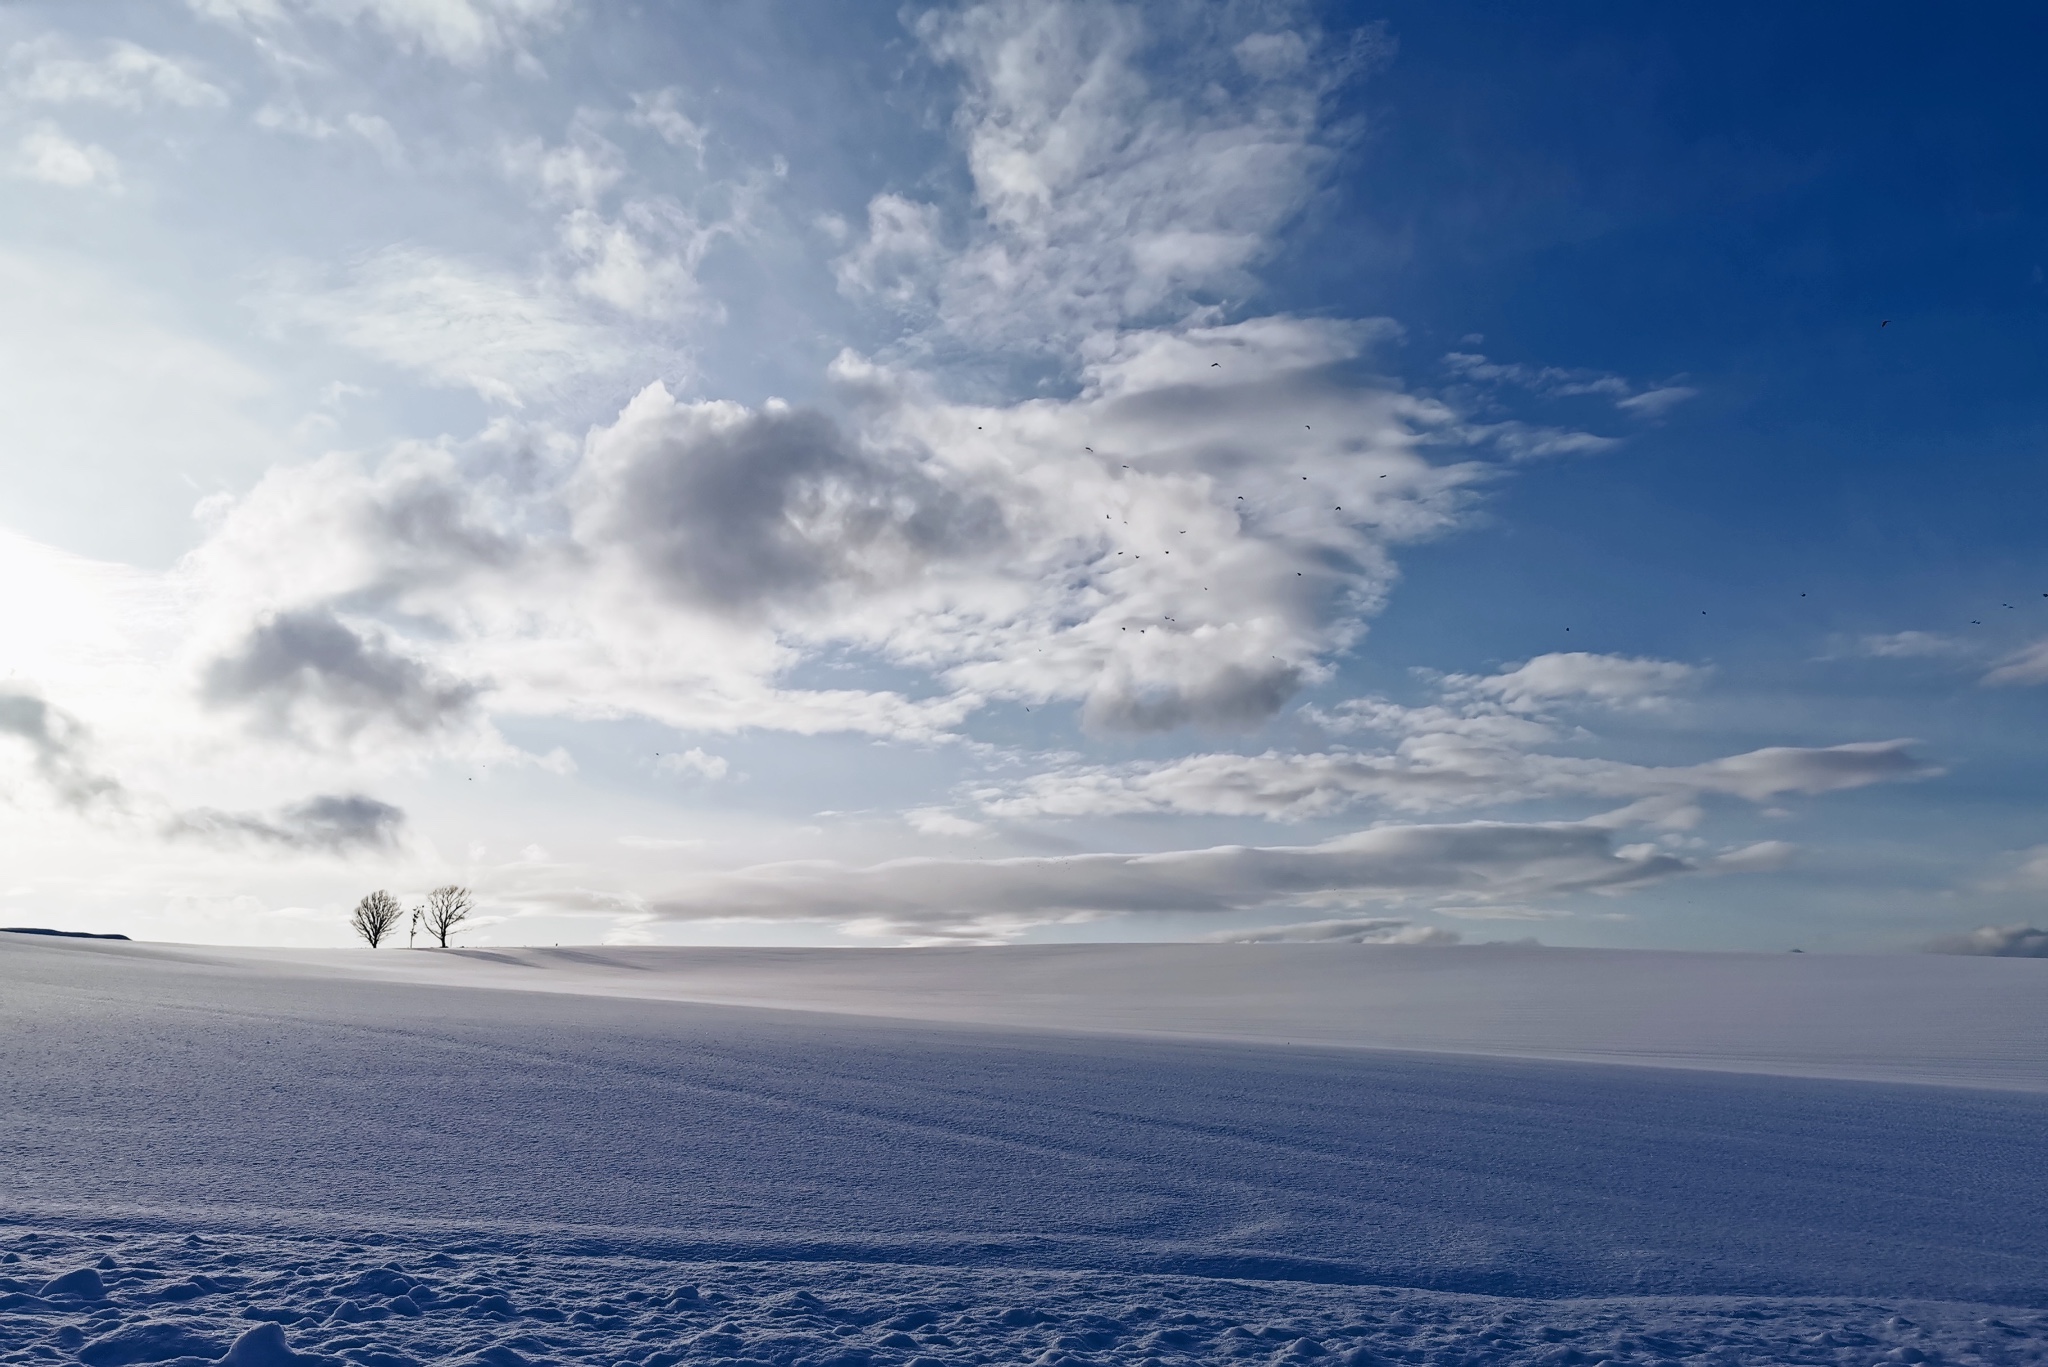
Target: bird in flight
1885, 324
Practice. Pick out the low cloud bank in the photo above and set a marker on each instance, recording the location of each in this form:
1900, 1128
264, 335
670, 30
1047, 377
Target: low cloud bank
994, 898
2001, 942
1377, 931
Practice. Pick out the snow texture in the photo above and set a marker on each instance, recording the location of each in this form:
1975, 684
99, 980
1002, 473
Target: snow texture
264, 1159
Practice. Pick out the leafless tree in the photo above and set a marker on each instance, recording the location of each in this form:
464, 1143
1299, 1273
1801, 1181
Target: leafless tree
446, 909
375, 916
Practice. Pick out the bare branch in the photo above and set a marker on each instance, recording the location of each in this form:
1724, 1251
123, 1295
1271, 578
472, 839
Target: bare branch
375, 916
446, 908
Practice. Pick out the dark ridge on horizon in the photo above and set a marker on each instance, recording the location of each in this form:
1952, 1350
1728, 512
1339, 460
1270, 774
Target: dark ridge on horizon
73, 934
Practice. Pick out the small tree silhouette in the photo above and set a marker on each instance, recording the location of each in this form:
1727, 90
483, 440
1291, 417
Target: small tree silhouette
375, 916
446, 908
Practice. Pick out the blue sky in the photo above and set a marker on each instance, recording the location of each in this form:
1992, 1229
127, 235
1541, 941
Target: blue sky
716, 473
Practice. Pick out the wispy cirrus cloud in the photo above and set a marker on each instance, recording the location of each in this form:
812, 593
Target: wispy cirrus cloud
1646, 401
451, 323
2023, 668
463, 33
125, 76
1478, 745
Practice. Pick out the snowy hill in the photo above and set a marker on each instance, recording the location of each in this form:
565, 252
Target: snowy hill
1007, 1155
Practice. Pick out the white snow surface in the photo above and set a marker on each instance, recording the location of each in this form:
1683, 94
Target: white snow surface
1967, 1021
1168, 1154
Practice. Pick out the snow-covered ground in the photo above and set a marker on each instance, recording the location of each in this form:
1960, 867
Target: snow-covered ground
1072, 1155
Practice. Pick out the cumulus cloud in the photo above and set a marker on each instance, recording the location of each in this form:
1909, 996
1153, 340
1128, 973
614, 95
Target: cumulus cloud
44, 153
332, 824
996, 897
1166, 547
1371, 931
2003, 942
733, 508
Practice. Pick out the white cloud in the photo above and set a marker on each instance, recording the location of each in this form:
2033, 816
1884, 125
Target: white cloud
998, 898
374, 129
2024, 668
897, 258
127, 77
1475, 746
1562, 382
2027, 872
938, 821
44, 153
1099, 200
461, 32
1434, 772
1272, 56
660, 111
693, 763
579, 172
452, 324
1765, 856
1913, 645
643, 257
1654, 403
1614, 681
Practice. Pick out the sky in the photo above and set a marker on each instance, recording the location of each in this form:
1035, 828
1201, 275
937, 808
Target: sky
1018, 472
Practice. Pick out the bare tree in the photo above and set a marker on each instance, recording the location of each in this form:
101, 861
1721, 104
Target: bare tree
446, 909
375, 916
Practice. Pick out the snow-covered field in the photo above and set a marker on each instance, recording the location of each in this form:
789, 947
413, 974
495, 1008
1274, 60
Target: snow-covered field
1119, 1154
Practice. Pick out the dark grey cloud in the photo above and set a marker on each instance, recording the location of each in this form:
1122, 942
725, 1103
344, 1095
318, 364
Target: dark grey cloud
2001, 942
309, 660
332, 823
732, 509
57, 740
1234, 696
327, 822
